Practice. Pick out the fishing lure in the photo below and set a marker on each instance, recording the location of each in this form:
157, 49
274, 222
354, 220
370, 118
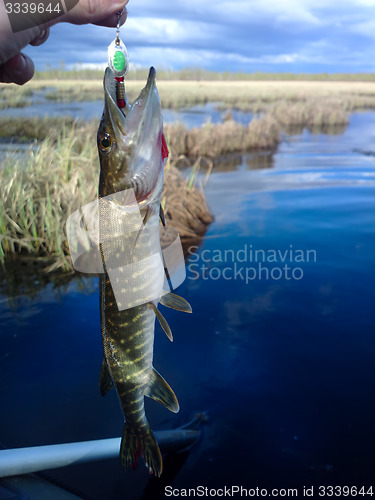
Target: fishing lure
118, 62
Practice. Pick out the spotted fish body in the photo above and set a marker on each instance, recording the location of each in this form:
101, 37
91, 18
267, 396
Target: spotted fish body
130, 151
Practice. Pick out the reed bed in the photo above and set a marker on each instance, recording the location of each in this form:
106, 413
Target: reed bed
210, 140
39, 194
185, 207
229, 137
313, 114
37, 197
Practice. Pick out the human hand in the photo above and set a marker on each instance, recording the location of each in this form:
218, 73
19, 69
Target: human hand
17, 67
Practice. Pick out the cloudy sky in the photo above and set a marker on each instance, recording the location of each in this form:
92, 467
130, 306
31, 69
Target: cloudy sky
228, 35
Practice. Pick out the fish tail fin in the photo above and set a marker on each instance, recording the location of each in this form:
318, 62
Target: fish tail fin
134, 444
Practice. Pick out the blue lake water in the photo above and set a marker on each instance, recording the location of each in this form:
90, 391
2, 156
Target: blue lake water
279, 350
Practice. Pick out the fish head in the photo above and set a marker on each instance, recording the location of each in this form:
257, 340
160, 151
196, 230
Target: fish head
130, 142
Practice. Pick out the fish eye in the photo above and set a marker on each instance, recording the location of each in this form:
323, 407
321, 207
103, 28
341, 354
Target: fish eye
105, 143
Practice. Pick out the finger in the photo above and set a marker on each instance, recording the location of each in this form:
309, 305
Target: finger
94, 12
18, 69
41, 38
111, 21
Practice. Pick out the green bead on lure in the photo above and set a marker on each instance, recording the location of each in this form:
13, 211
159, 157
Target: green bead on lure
119, 61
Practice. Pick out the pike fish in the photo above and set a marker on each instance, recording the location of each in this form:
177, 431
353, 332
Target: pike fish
130, 145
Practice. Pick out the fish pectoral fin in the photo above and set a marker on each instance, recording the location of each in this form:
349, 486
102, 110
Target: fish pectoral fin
162, 216
105, 380
145, 220
159, 390
162, 321
147, 216
176, 302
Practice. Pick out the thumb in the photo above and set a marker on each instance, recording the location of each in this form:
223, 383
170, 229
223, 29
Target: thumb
18, 69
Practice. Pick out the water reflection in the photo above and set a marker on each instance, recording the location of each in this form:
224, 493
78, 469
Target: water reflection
249, 161
228, 163
260, 160
336, 129
25, 278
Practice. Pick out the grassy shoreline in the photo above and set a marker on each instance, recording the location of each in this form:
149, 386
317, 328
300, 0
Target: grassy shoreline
174, 94
197, 74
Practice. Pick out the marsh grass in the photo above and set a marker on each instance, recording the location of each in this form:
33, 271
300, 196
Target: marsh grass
184, 204
213, 140
316, 115
36, 198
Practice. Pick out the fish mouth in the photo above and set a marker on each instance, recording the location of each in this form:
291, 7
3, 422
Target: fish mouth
137, 131
119, 117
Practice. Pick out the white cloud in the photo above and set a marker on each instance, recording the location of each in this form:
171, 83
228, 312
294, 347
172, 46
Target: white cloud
366, 28
171, 57
155, 30
81, 66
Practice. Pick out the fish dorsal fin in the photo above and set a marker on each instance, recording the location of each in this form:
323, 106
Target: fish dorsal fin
162, 321
105, 380
175, 302
160, 391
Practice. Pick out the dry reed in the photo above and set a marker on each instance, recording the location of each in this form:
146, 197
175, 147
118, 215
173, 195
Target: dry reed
313, 114
185, 207
223, 138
